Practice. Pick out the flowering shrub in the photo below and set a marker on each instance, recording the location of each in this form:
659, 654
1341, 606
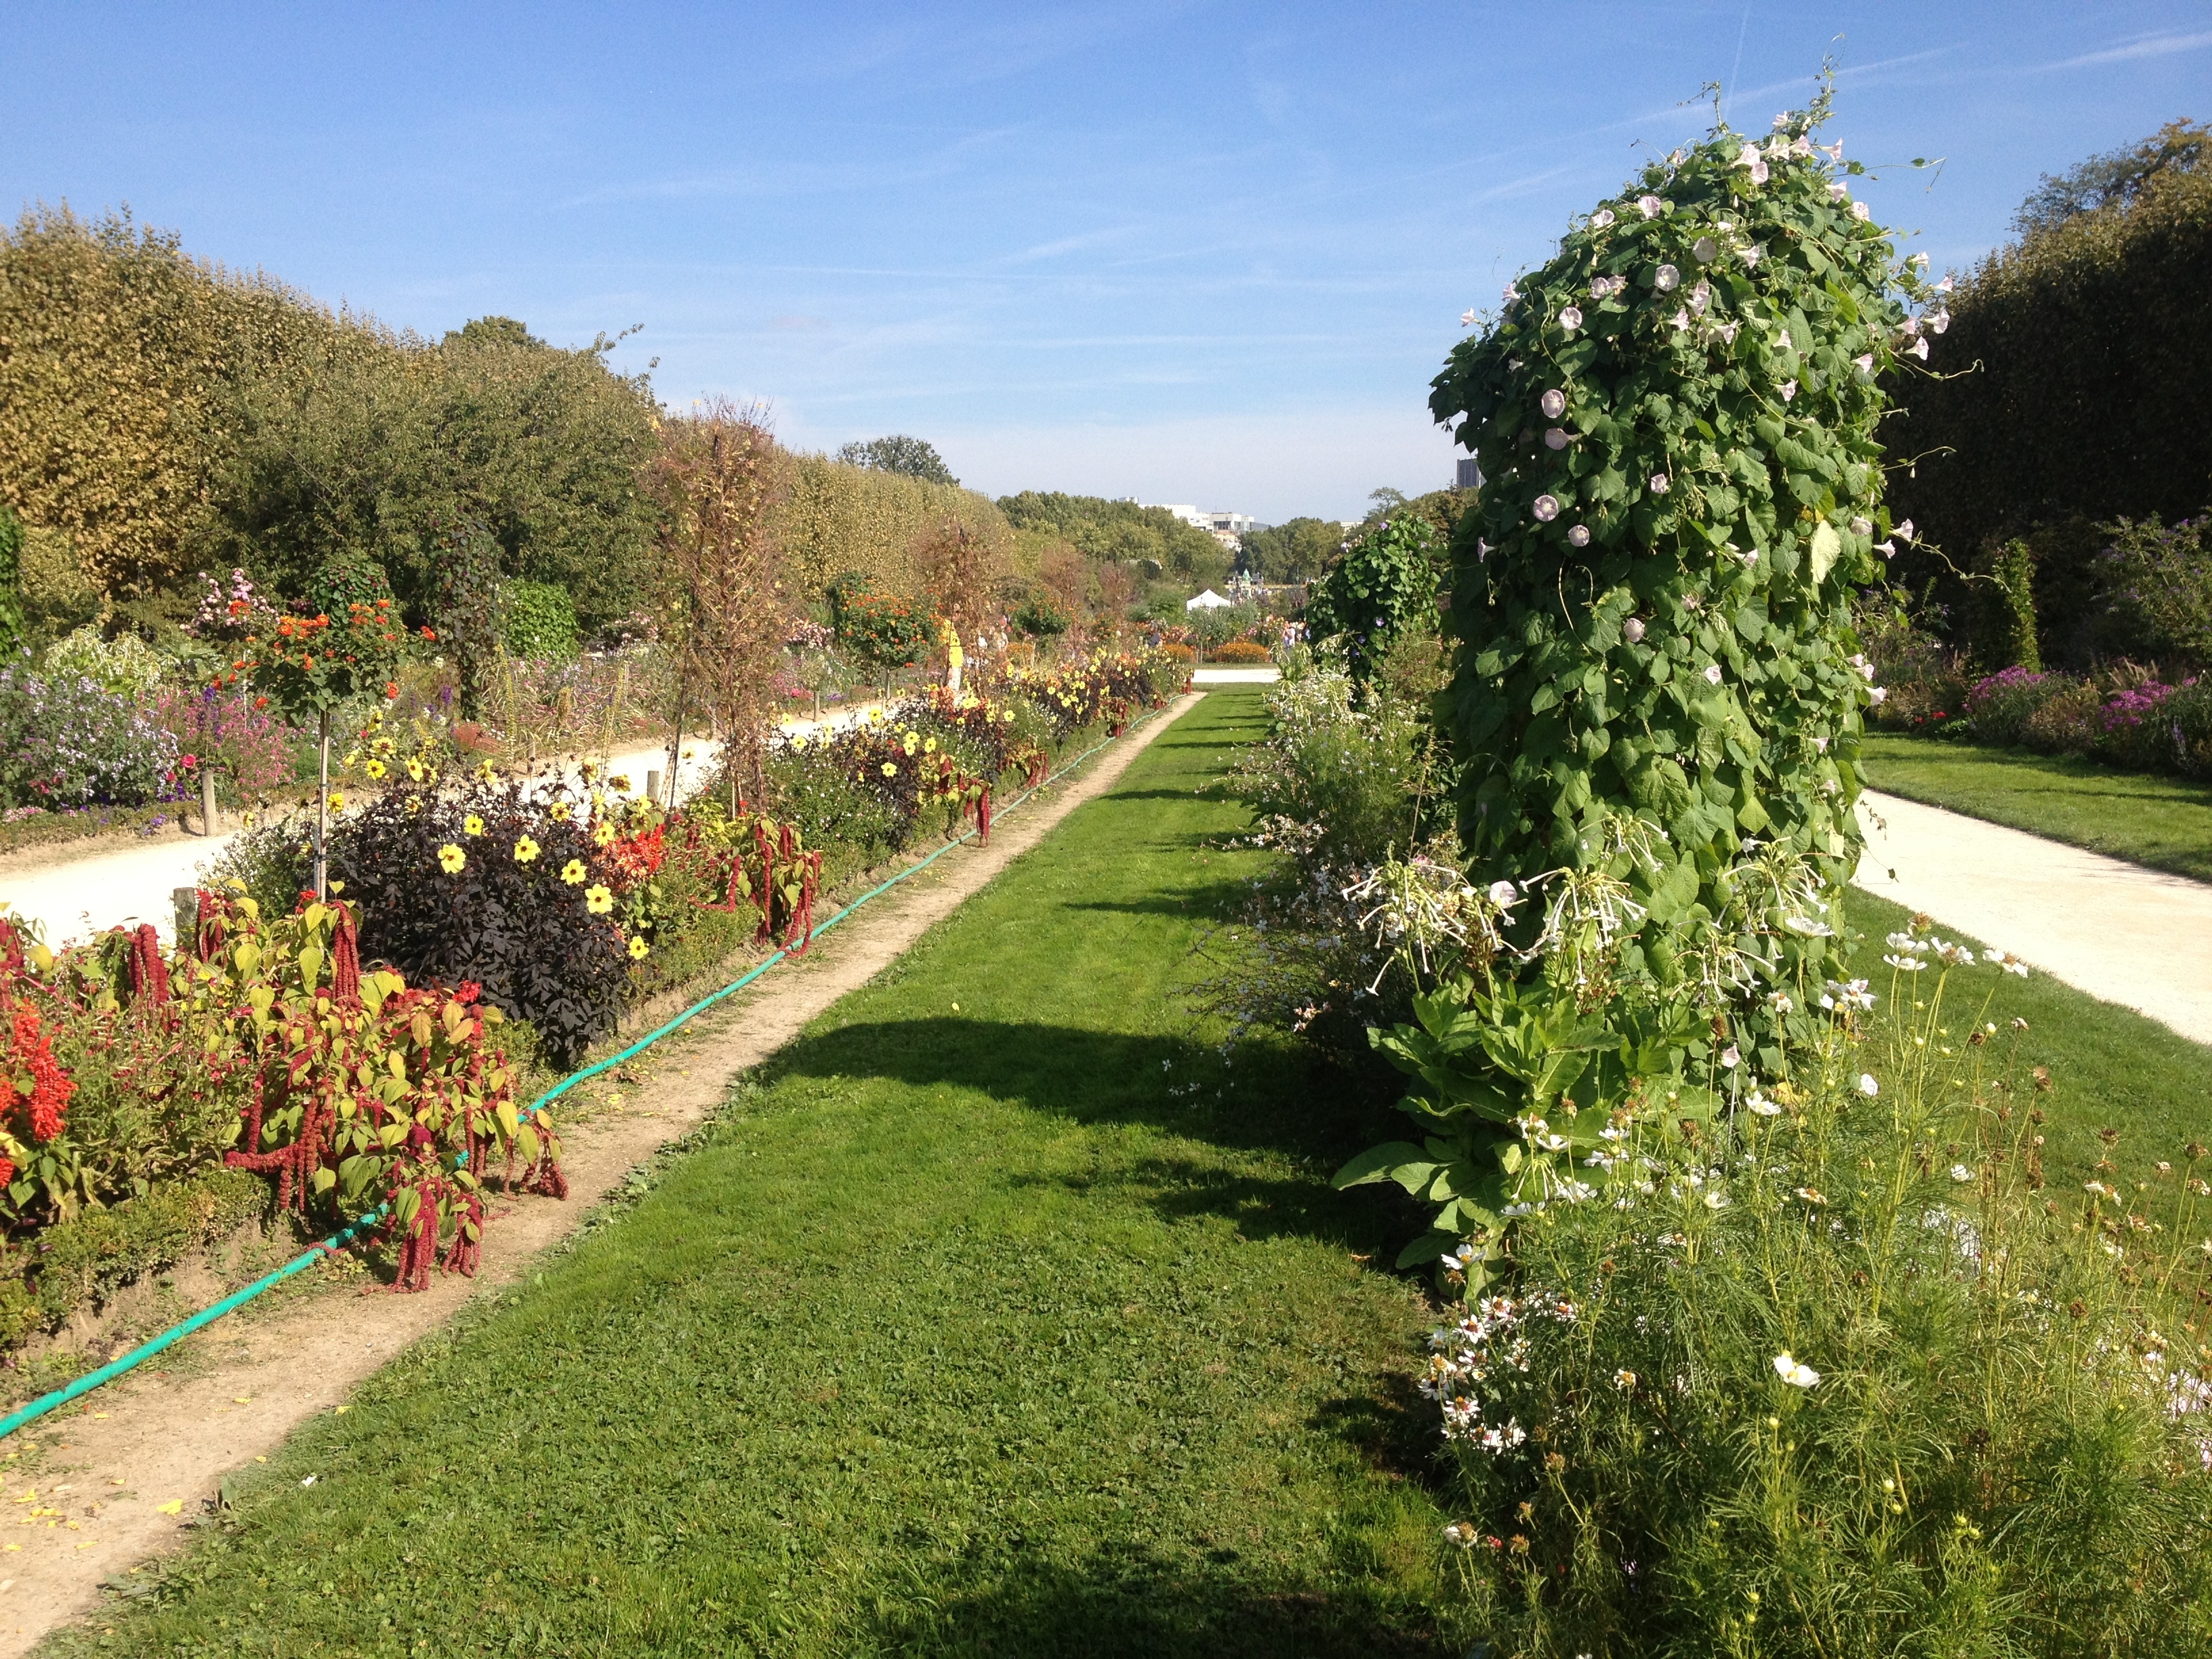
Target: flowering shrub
1385, 582
884, 631
71, 742
1998, 708
307, 666
1839, 1373
1676, 417
248, 748
125, 664
1243, 652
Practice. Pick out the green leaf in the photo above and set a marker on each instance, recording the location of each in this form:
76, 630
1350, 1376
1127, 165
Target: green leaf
1380, 1163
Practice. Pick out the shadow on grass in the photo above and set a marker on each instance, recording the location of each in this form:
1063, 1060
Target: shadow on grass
1268, 1099
1129, 1600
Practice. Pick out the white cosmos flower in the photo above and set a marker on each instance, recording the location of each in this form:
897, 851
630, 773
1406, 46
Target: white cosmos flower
1788, 390
1633, 630
1712, 673
1601, 218
1795, 1371
1762, 1107
1553, 402
1579, 536
1868, 1086
1666, 279
1861, 210
1555, 437
1705, 250
1659, 484
1545, 507
1571, 318
1960, 1173
1650, 206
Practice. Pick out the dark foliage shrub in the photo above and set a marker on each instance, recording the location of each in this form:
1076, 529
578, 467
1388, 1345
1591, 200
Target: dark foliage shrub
2155, 593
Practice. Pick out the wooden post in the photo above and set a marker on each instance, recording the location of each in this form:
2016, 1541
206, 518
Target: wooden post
323, 807
207, 798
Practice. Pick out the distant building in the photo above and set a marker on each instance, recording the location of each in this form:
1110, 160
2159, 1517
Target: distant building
1224, 527
1470, 474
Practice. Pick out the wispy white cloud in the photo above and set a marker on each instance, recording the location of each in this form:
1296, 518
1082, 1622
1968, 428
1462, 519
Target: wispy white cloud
2151, 46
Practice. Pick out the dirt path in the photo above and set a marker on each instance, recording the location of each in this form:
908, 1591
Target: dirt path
2136, 936
120, 1473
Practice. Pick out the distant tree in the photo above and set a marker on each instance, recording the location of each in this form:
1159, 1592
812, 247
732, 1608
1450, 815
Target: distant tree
2116, 178
913, 456
1386, 501
962, 567
1121, 530
1296, 550
493, 330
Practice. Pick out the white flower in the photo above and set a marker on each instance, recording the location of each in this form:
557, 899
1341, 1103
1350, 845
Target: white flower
1944, 287
1838, 190
1466, 320
1878, 694
1782, 341
1834, 152
1667, 279
1712, 673
1700, 297
1705, 250
1731, 1057
1794, 1372
1571, 318
1553, 402
1504, 895
1780, 122
1788, 390
1545, 507
1650, 206
1659, 485
1749, 559
1727, 331
1936, 321
1753, 254
1803, 147
1865, 364
1579, 536
1904, 529
1761, 1106
1888, 550
1960, 1173
1861, 527
1868, 1086
1759, 173
1680, 319
1601, 218
1919, 260
1511, 294
1809, 927
1861, 210
1624, 1379
1599, 286
1918, 349
1749, 157
1633, 630
1555, 438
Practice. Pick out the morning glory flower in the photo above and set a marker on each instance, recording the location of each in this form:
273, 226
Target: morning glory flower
1466, 320
1712, 673
1838, 190
1943, 287
1727, 331
1633, 630
1650, 206
1705, 250
1667, 279
1788, 390
1504, 895
1555, 438
1749, 559
1553, 402
1918, 349
1545, 507
1861, 210
1571, 318
1834, 152
1803, 147
1659, 483
1918, 259
1936, 321
1863, 364
1905, 528
1731, 1057
1753, 254
1888, 550
1680, 319
1600, 219
1749, 157
1861, 527
1579, 536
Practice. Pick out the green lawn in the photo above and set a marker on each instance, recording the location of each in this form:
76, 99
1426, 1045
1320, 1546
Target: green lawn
2164, 822
999, 1315
2110, 1066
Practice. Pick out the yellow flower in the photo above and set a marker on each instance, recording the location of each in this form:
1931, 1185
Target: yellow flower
414, 803
472, 825
452, 858
598, 898
524, 850
560, 811
890, 770
928, 748
337, 801
374, 769
602, 831
415, 768
638, 947
573, 872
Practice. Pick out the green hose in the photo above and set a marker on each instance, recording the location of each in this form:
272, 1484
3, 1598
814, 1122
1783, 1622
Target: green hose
307, 1258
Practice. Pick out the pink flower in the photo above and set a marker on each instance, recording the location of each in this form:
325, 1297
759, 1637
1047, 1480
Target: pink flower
1579, 536
1466, 320
1545, 507
1712, 673
1667, 278
1555, 438
1650, 206
1659, 484
1633, 630
1553, 402
1571, 318
1788, 390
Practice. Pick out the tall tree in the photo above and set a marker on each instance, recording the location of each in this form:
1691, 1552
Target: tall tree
913, 456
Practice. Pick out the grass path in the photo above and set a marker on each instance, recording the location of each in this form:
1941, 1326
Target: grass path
999, 1315
2165, 823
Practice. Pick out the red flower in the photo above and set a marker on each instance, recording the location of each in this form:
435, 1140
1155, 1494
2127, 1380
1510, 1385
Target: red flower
391, 689
429, 634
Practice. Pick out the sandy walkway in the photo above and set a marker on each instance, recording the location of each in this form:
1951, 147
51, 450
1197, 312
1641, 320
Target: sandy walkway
114, 1461
2136, 936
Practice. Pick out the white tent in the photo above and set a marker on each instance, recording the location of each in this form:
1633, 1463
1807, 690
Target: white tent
1208, 601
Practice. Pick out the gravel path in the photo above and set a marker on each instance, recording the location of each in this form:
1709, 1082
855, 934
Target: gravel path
2136, 936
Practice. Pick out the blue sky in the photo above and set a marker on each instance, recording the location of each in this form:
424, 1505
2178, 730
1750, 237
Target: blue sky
1190, 252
